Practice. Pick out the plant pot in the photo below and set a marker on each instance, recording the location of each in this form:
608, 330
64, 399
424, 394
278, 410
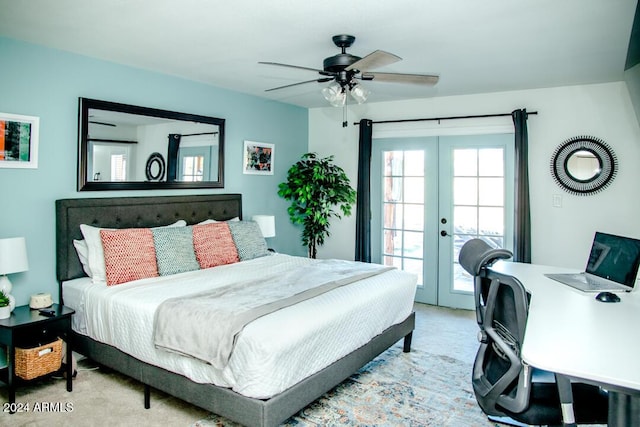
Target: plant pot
5, 312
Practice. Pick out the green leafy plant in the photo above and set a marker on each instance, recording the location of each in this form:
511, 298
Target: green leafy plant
4, 300
315, 186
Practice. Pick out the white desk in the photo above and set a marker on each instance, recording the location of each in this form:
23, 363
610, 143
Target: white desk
571, 333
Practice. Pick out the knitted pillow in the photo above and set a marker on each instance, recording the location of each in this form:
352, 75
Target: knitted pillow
248, 239
174, 250
129, 254
214, 245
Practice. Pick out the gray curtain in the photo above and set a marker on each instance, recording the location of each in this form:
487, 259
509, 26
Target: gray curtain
172, 160
522, 220
363, 201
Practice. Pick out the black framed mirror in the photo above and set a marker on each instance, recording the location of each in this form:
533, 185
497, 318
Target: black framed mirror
584, 165
127, 147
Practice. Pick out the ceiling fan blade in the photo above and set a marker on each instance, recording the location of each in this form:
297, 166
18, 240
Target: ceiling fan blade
320, 80
324, 73
419, 79
376, 59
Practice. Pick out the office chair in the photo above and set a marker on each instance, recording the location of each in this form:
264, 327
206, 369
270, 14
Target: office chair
475, 257
503, 384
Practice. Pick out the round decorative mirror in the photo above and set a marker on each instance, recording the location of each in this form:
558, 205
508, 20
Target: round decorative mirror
155, 167
584, 165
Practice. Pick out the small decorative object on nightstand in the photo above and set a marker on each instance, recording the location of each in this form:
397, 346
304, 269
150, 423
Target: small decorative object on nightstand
40, 300
13, 259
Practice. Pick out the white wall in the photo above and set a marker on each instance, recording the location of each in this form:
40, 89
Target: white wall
560, 236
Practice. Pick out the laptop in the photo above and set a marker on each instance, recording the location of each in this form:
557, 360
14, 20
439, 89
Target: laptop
612, 265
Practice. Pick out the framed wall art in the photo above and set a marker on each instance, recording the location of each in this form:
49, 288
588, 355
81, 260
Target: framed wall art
258, 158
18, 141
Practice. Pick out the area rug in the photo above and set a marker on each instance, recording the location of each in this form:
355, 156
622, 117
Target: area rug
395, 389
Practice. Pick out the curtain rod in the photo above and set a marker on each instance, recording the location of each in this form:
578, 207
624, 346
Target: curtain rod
447, 118
199, 134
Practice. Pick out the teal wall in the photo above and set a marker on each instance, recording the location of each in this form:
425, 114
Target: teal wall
42, 82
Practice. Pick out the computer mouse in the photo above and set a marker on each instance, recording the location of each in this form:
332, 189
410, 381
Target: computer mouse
607, 297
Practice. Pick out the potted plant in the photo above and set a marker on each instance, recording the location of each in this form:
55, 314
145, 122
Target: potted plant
315, 186
5, 306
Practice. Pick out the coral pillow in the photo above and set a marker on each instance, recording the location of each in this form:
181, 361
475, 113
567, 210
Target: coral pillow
214, 245
129, 254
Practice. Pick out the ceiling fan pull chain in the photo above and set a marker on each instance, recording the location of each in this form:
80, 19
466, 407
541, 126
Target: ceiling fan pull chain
344, 113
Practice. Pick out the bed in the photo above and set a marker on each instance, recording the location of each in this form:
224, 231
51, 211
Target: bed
240, 399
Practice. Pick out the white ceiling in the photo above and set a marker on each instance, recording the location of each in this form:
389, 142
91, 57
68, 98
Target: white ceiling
475, 46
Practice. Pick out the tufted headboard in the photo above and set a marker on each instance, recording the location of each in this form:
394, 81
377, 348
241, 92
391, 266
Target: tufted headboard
129, 212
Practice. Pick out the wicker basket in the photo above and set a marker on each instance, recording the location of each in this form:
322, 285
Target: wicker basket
34, 362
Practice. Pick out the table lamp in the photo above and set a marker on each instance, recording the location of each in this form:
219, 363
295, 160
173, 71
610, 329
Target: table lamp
13, 259
267, 224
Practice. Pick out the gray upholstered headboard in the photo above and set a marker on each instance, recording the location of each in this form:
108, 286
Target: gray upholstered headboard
127, 212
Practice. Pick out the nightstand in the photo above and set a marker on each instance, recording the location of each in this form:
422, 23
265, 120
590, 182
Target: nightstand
28, 326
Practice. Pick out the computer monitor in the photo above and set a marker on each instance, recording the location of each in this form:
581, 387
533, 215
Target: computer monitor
615, 258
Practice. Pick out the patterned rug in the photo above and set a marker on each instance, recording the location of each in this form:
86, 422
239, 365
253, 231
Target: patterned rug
395, 389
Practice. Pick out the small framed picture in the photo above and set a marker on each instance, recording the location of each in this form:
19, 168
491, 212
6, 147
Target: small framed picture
18, 141
258, 158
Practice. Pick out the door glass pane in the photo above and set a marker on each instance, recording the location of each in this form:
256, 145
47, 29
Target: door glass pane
392, 189
478, 203
414, 266
490, 221
465, 191
465, 162
403, 210
414, 217
392, 163
465, 220
413, 244
392, 242
393, 261
414, 190
414, 163
491, 162
192, 168
491, 191
392, 215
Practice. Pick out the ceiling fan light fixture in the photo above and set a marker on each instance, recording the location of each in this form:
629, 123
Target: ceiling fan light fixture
359, 93
335, 94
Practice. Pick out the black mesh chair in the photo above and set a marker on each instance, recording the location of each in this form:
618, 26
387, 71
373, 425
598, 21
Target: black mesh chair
475, 257
505, 387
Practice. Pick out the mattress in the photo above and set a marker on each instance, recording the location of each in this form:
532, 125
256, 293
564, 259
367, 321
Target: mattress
273, 352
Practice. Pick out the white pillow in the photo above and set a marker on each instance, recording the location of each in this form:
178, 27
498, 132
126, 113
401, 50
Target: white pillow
83, 254
211, 221
95, 255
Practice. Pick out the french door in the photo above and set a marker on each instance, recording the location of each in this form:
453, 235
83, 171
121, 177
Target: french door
429, 196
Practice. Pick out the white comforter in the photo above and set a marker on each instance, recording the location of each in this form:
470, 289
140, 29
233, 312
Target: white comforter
273, 352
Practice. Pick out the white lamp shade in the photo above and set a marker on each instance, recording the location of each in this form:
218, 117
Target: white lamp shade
267, 224
13, 255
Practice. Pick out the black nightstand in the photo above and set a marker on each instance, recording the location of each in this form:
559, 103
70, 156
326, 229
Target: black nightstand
26, 325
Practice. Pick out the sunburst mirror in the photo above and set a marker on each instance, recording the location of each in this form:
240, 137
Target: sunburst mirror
584, 165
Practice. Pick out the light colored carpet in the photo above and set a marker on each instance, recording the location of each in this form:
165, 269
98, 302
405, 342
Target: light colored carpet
428, 387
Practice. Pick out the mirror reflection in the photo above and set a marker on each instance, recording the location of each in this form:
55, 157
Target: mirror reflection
583, 165
129, 147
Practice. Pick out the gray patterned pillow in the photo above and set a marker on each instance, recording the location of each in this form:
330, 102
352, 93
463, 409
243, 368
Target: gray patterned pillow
174, 250
248, 239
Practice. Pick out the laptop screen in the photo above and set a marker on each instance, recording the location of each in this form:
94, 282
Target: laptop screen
615, 258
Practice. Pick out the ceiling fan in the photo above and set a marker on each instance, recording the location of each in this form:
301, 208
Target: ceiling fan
345, 70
